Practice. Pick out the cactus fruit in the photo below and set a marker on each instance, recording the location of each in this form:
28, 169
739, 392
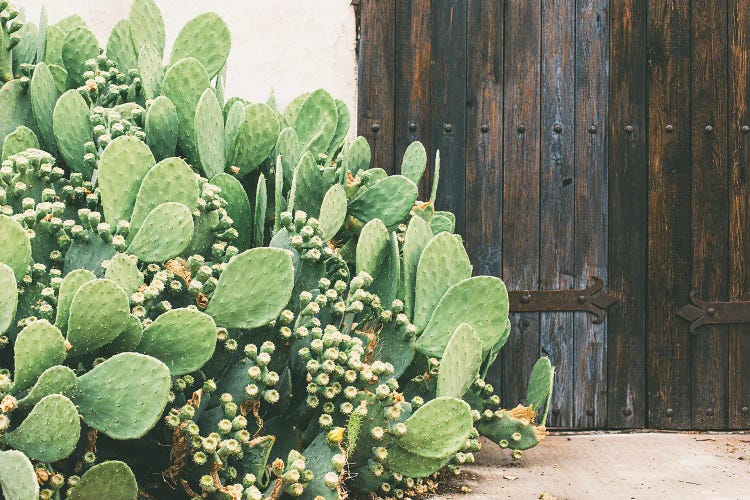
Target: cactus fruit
230, 287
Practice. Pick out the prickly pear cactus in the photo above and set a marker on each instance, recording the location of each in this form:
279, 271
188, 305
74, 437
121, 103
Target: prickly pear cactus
205, 297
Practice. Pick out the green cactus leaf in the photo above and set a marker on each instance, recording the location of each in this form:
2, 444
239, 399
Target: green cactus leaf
259, 212
230, 104
43, 99
120, 47
460, 364
124, 396
238, 207
68, 23
147, 26
88, 255
395, 347
539, 390
418, 235
443, 222
310, 187
319, 455
452, 416
54, 40
233, 121
151, 71
38, 346
70, 285
123, 270
291, 110
414, 162
184, 84
170, 180
122, 166
333, 211
19, 140
209, 130
79, 46
510, 432
183, 339
443, 263
289, 147
162, 128
255, 457
389, 200
129, 339
255, 139
489, 360
408, 464
481, 302
375, 256
72, 128
25, 51
97, 315
316, 121
50, 432
244, 297
15, 108
54, 380
17, 476
60, 77
112, 480
342, 128
206, 38
16, 248
166, 232
8, 297
358, 155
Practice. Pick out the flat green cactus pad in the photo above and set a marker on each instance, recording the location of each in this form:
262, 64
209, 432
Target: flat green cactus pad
358, 155
255, 140
38, 346
19, 140
50, 432
72, 129
112, 480
129, 339
238, 207
235, 117
418, 235
539, 390
481, 302
452, 416
333, 211
414, 162
15, 251
245, 297
343, 122
390, 200
206, 38
162, 127
183, 339
124, 396
70, 285
54, 380
147, 26
209, 131
443, 263
460, 364
315, 122
377, 256
120, 46
123, 165
97, 315
510, 432
43, 99
166, 232
17, 476
79, 46
53, 44
411, 465
8, 297
289, 147
123, 270
319, 455
310, 187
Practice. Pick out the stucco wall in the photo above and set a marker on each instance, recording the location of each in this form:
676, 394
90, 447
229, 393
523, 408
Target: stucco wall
290, 45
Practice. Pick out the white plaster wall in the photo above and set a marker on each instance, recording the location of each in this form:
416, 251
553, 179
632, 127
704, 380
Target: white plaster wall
291, 45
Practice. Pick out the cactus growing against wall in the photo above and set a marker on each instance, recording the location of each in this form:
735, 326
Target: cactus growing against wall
203, 297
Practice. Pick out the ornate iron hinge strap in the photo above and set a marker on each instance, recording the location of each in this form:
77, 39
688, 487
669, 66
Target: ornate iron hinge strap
701, 313
591, 299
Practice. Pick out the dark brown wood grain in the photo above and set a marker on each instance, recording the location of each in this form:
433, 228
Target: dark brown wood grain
484, 143
376, 79
521, 155
739, 208
557, 197
413, 63
710, 209
628, 205
670, 237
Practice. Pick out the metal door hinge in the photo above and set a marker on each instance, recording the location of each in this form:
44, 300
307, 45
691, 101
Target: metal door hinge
701, 313
591, 299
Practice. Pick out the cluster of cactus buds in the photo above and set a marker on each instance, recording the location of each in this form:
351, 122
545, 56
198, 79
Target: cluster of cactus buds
228, 287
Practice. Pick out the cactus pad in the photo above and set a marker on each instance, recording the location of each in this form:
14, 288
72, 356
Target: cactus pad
43, 99
70, 285
452, 416
209, 131
390, 200
112, 480
358, 155
16, 248
206, 38
315, 122
120, 46
72, 129
460, 364
333, 211
418, 235
8, 297
404, 462
38, 346
17, 476
539, 391
123, 270
238, 207
162, 127
97, 315
377, 256
255, 140
414, 162
166, 232
79, 46
54, 380
147, 26
19, 140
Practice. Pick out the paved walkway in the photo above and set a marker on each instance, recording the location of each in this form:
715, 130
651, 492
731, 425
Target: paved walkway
640, 466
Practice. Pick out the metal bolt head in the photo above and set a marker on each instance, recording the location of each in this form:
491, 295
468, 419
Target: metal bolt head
375, 127
592, 129
557, 128
590, 412
629, 129
709, 129
711, 311
745, 410
525, 298
581, 299
710, 412
485, 128
670, 412
413, 126
448, 128
745, 129
627, 412
669, 129
521, 129
556, 412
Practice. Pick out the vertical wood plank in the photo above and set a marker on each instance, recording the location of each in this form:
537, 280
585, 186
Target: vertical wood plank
412, 95
376, 79
484, 143
628, 202
448, 103
592, 50
521, 158
669, 248
557, 196
739, 208
710, 210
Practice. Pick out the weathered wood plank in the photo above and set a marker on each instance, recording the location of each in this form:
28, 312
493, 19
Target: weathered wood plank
670, 241
484, 143
376, 79
557, 196
628, 184
710, 206
590, 257
521, 158
739, 207
413, 62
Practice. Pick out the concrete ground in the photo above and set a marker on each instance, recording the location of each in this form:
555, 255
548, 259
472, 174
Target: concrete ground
615, 466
